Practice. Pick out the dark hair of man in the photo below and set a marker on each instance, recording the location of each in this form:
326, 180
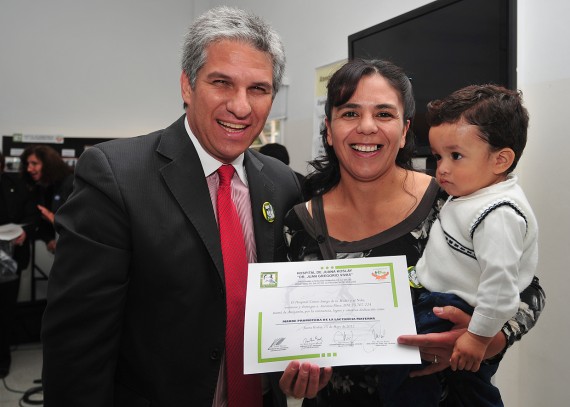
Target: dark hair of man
54, 169
340, 89
275, 150
498, 112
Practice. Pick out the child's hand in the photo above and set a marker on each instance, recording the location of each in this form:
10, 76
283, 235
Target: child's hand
469, 351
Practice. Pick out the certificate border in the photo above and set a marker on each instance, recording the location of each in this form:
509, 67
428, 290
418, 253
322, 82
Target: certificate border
281, 358
392, 276
261, 360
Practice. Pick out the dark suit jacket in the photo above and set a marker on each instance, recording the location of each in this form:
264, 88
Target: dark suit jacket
136, 297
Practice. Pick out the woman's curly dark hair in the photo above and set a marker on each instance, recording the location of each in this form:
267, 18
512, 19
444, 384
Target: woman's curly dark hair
54, 169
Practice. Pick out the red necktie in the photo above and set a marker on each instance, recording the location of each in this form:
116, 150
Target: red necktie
242, 390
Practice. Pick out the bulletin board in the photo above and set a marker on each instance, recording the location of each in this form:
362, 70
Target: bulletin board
70, 148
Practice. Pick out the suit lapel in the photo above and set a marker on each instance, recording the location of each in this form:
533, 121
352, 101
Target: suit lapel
261, 190
185, 178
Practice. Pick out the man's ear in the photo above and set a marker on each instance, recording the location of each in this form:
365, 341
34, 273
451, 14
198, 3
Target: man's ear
185, 88
504, 158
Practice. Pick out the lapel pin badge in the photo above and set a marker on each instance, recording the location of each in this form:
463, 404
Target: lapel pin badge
268, 212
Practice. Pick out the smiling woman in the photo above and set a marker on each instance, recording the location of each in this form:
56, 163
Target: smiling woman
367, 201
340, 91
368, 112
368, 130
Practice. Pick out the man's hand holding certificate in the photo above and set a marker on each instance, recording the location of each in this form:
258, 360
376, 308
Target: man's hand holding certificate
332, 313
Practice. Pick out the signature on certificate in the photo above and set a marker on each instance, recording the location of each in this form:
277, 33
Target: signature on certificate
343, 338
312, 342
315, 340
378, 332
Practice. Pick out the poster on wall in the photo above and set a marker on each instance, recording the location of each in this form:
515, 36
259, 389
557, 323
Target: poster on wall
322, 76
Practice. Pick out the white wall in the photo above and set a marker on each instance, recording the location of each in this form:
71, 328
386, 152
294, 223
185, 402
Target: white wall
110, 69
542, 358
85, 68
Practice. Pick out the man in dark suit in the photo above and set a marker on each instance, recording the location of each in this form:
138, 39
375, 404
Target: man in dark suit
136, 311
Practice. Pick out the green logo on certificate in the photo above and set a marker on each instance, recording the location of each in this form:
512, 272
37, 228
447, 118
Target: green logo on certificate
268, 279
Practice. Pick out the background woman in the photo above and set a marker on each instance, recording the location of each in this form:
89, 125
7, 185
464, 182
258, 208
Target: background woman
51, 182
368, 201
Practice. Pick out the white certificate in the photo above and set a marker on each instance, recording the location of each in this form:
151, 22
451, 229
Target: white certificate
331, 312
